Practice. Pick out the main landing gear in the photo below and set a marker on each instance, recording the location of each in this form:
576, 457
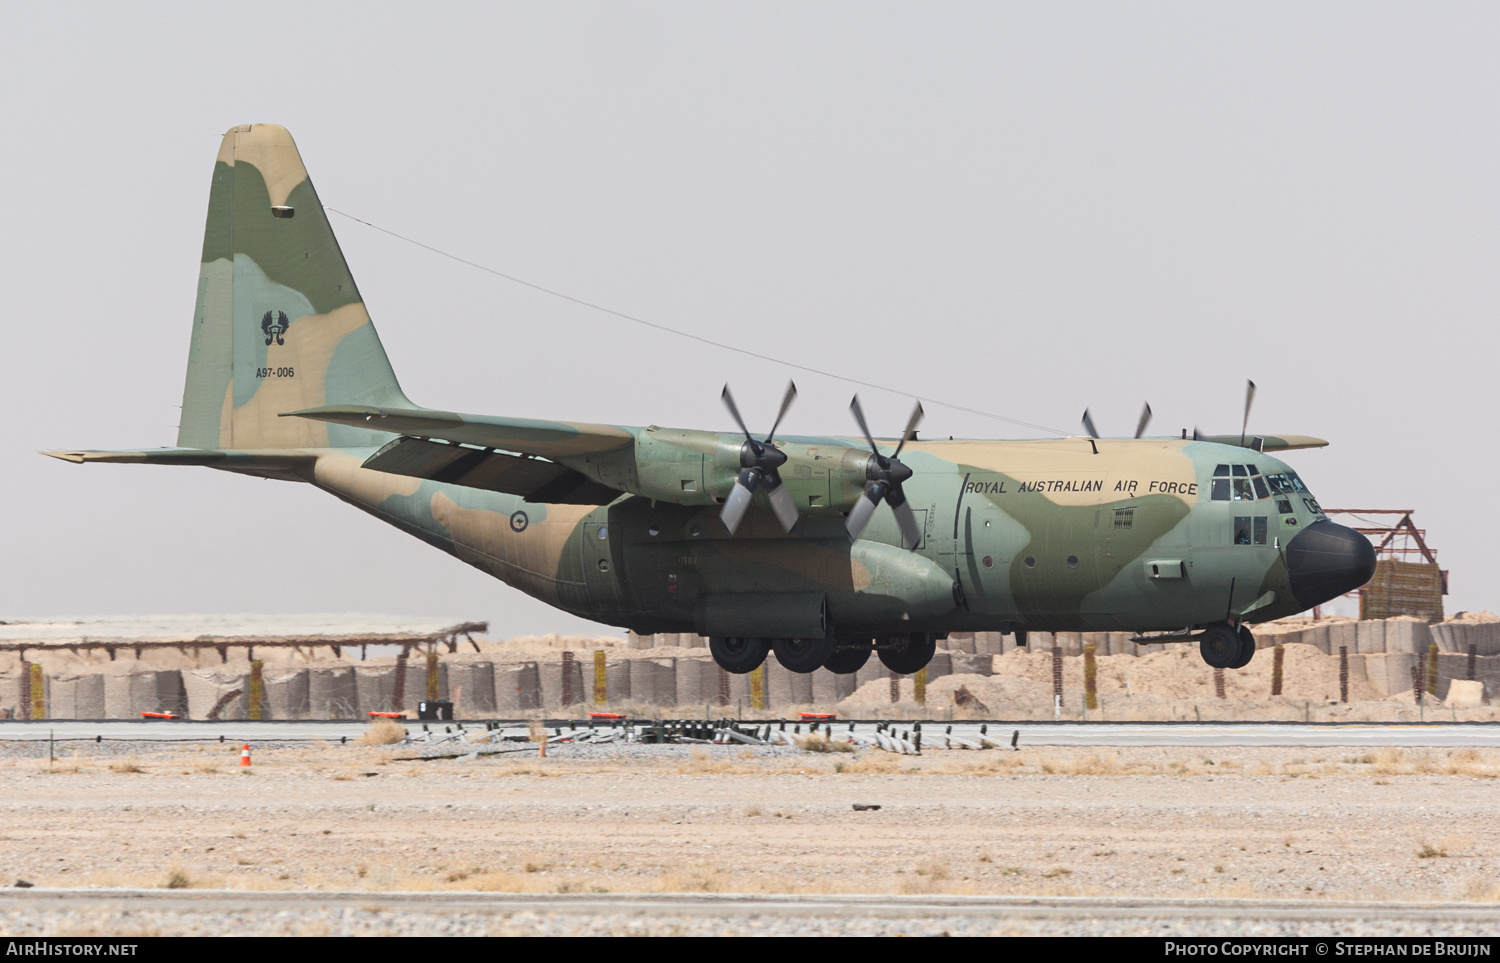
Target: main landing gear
1225, 647
902, 654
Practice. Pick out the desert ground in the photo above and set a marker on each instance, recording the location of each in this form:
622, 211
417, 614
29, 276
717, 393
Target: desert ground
1404, 825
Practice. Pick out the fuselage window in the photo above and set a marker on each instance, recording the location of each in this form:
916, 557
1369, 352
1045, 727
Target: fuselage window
1242, 529
1260, 530
1124, 518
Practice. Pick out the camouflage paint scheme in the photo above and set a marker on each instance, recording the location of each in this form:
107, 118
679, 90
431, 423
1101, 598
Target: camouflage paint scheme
287, 379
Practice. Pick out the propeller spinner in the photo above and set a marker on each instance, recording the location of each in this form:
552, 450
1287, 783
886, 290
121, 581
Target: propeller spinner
885, 475
759, 461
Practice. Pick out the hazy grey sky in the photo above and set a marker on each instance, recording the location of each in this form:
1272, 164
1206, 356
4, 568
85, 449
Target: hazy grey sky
1023, 208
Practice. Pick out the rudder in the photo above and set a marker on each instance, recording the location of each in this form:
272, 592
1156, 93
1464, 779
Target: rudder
280, 325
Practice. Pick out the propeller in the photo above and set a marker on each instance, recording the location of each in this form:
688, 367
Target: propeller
1249, 397
1244, 424
1140, 427
759, 461
885, 473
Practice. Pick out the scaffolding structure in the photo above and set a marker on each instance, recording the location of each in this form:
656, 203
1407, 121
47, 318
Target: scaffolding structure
1402, 584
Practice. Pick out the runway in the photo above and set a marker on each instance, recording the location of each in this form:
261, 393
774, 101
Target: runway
211, 912
1120, 734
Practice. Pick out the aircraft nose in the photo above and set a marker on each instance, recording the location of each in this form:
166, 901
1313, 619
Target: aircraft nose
1326, 560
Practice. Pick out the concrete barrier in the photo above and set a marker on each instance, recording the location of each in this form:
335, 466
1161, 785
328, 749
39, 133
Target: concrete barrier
778, 685
553, 695
76, 696
374, 688
991, 643
653, 681
1344, 634
829, 689
972, 665
870, 671
942, 663
1369, 637
959, 642
697, 682
1407, 635
518, 687
331, 692
286, 693
471, 686
205, 690
617, 680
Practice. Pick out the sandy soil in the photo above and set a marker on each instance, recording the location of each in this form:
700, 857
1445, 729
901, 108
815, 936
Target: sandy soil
1405, 825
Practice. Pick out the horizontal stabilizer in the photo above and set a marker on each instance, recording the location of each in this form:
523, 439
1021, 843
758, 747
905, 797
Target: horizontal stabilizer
1267, 442
549, 439
209, 457
534, 479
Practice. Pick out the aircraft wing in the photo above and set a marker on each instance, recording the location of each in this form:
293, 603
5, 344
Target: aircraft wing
1269, 442
547, 439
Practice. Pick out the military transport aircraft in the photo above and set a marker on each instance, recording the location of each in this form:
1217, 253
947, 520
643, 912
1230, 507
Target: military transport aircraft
762, 544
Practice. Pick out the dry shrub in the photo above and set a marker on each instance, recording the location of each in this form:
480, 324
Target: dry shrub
1388, 762
177, 878
1429, 851
821, 743
125, 765
383, 732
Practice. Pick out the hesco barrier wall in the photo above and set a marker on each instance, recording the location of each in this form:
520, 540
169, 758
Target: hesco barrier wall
644, 674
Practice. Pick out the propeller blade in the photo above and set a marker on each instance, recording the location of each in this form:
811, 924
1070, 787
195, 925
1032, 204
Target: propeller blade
1088, 424
1140, 428
782, 502
1196, 436
911, 427
911, 534
738, 502
728, 400
1249, 397
786, 402
859, 416
859, 516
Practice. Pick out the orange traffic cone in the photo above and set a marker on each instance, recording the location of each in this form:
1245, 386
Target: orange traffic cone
245, 755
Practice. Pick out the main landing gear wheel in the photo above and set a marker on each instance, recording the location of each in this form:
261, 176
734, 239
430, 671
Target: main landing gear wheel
1221, 646
1247, 648
740, 656
906, 654
848, 660
803, 655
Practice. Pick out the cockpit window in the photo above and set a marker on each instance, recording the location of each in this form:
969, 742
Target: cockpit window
1221, 471
1221, 488
1239, 471
1297, 485
1260, 487
1279, 483
1242, 490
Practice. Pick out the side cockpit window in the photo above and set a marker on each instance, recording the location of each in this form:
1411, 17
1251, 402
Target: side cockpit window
1220, 486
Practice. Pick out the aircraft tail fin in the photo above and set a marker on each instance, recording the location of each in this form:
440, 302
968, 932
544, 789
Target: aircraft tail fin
280, 325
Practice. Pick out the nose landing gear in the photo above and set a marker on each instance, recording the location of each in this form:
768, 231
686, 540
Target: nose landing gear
1225, 647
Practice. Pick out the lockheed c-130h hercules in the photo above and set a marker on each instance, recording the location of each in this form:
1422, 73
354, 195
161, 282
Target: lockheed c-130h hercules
822, 549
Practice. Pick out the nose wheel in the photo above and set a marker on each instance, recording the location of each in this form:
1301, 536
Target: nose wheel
1225, 647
